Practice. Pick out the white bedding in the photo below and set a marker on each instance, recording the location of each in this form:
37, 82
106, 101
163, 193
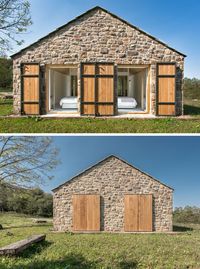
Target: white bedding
126, 103
69, 102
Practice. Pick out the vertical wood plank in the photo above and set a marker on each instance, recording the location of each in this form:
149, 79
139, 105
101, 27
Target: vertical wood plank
88, 69
145, 213
166, 110
105, 90
167, 69
31, 89
93, 213
86, 213
166, 89
98, 89
131, 203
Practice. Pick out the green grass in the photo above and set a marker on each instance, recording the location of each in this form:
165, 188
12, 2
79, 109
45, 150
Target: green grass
9, 90
83, 125
101, 251
91, 125
6, 107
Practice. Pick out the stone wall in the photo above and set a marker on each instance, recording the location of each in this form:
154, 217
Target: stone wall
95, 37
112, 179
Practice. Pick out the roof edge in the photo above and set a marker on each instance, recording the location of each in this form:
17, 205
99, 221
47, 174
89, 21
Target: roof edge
106, 158
113, 15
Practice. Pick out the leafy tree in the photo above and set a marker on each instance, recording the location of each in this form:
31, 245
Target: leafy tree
14, 20
192, 88
27, 161
27, 201
5, 73
188, 214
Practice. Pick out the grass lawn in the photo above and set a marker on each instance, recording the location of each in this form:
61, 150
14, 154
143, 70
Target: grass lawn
5, 107
102, 251
85, 125
91, 125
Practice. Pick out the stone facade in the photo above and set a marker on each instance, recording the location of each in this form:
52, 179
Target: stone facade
98, 36
112, 178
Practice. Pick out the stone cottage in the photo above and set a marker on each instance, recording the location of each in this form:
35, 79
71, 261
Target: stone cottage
113, 196
98, 64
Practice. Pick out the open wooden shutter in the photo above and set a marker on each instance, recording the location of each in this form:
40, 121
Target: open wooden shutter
166, 89
86, 213
30, 89
97, 89
138, 213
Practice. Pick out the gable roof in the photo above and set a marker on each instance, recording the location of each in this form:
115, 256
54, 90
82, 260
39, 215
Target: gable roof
106, 11
105, 159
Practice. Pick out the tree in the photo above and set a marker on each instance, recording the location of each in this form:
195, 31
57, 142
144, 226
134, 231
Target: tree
27, 161
14, 20
5, 74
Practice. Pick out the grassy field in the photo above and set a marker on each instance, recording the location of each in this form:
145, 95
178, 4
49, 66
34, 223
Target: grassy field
90, 125
86, 125
100, 251
5, 107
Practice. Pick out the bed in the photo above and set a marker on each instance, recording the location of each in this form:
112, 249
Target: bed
126, 103
69, 102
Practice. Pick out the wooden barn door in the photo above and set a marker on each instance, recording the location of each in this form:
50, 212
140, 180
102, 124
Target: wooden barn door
97, 89
86, 213
30, 89
166, 89
138, 213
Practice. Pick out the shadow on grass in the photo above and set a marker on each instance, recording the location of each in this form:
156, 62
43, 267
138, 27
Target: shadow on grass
128, 265
28, 226
191, 110
70, 261
177, 228
35, 249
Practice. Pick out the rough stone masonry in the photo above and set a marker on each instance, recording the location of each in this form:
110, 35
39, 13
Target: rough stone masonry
112, 179
95, 37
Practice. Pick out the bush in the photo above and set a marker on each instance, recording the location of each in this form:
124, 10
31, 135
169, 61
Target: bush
187, 214
32, 202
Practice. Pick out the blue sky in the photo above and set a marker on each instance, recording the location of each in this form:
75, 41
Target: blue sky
175, 22
173, 160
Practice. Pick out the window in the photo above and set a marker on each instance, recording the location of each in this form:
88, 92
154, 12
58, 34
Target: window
73, 85
122, 85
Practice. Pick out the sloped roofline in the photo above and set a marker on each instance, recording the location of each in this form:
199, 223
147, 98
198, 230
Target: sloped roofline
109, 157
113, 15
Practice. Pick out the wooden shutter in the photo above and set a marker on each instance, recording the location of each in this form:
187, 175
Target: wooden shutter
131, 203
30, 89
97, 89
145, 213
138, 213
166, 89
86, 213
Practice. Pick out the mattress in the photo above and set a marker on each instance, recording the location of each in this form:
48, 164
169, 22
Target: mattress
126, 103
69, 102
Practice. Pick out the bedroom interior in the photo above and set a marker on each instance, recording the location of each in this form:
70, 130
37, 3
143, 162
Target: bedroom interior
63, 89
132, 89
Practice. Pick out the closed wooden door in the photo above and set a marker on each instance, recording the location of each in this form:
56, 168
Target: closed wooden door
30, 89
86, 213
97, 89
166, 89
138, 213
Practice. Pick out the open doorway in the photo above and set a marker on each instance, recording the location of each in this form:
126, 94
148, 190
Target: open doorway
63, 89
132, 89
